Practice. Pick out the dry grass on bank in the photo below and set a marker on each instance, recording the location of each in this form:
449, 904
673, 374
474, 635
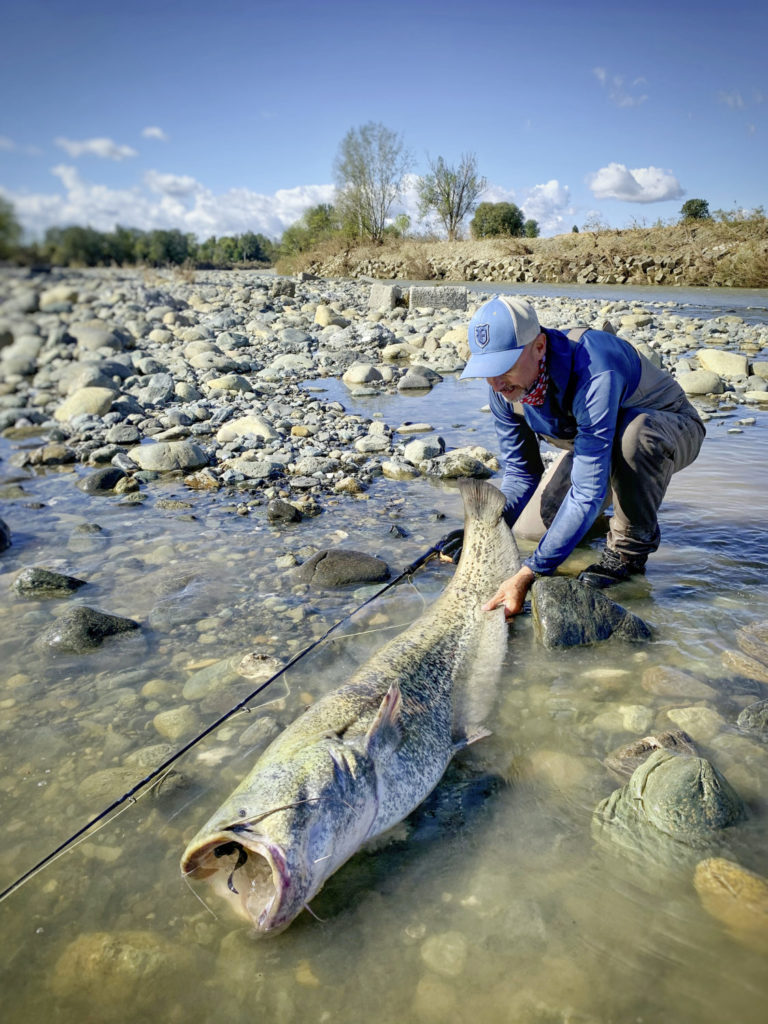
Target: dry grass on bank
725, 252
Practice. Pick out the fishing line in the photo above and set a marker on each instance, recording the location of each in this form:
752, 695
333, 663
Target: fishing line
130, 795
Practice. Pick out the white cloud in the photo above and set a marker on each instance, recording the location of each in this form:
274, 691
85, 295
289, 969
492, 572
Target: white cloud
732, 99
8, 145
105, 148
171, 184
175, 201
641, 185
548, 205
617, 93
153, 132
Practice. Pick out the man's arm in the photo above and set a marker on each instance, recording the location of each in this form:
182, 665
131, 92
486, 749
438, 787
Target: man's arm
596, 408
520, 455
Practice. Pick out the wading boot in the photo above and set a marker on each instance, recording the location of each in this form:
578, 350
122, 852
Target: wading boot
611, 569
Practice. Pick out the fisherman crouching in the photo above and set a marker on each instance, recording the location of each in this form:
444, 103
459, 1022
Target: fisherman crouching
625, 424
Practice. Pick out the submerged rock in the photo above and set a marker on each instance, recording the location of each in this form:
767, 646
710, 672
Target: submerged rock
736, 897
5, 536
83, 629
754, 719
568, 613
117, 969
34, 582
338, 567
678, 795
625, 760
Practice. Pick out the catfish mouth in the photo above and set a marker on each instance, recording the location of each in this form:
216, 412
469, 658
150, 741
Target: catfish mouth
251, 875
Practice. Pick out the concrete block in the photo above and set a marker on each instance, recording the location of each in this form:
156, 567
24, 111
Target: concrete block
444, 296
384, 296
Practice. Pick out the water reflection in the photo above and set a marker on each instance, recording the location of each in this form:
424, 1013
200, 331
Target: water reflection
501, 909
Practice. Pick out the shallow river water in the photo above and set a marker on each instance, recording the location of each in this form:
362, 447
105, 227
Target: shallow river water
497, 902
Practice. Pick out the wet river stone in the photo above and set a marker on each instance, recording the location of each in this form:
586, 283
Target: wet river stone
624, 761
568, 613
754, 719
102, 481
5, 536
681, 796
83, 629
736, 897
113, 970
36, 583
163, 456
337, 567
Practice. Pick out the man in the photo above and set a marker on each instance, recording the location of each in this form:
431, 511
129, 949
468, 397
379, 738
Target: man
628, 425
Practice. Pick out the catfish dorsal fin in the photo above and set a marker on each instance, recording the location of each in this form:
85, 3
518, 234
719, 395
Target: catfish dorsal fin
385, 731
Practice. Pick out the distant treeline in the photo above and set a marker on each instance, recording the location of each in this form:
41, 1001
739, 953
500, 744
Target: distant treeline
76, 246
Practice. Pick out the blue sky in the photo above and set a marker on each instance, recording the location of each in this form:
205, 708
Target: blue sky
219, 118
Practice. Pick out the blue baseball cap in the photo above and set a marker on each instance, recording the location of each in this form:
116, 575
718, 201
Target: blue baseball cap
497, 335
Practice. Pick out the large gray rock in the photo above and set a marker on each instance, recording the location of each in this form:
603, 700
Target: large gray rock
754, 719
38, 583
252, 425
568, 613
700, 382
338, 567
83, 629
361, 373
455, 464
725, 364
681, 796
163, 456
93, 401
416, 378
437, 296
419, 450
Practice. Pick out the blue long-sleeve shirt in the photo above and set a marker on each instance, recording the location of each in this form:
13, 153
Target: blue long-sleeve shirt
590, 381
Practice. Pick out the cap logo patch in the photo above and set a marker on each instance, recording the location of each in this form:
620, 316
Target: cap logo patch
482, 335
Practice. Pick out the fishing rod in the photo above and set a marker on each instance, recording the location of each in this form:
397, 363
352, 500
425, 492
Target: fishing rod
449, 545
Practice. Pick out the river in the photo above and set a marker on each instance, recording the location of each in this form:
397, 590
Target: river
498, 903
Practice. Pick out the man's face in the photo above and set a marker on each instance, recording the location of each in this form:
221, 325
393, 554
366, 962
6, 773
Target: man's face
513, 384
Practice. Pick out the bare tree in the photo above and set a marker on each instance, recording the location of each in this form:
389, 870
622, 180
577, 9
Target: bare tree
369, 168
451, 192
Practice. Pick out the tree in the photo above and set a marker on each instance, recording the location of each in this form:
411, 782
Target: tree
369, 168
451, 192
695, 209
497, 219
75, 246
10, 230
531, 228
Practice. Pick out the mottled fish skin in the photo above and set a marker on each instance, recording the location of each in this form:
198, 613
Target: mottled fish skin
365, 755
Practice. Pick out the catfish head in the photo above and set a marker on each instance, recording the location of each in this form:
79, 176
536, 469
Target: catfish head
290, 825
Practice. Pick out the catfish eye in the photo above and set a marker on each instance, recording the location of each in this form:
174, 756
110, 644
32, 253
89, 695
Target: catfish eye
242, 812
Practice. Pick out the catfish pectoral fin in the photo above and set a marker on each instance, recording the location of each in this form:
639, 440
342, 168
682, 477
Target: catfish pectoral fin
470, 736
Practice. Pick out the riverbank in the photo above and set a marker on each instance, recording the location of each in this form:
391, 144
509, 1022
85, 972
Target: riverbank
697, 253
131, 375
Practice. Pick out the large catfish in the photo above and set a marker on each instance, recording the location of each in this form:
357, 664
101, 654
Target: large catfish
365, 755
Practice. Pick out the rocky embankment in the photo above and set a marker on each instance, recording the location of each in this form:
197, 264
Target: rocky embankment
606, 259
134, 376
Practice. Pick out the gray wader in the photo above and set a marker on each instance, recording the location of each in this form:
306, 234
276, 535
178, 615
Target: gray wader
658, 433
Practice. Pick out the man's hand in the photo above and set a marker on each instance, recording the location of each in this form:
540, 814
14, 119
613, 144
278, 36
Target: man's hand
512, 593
